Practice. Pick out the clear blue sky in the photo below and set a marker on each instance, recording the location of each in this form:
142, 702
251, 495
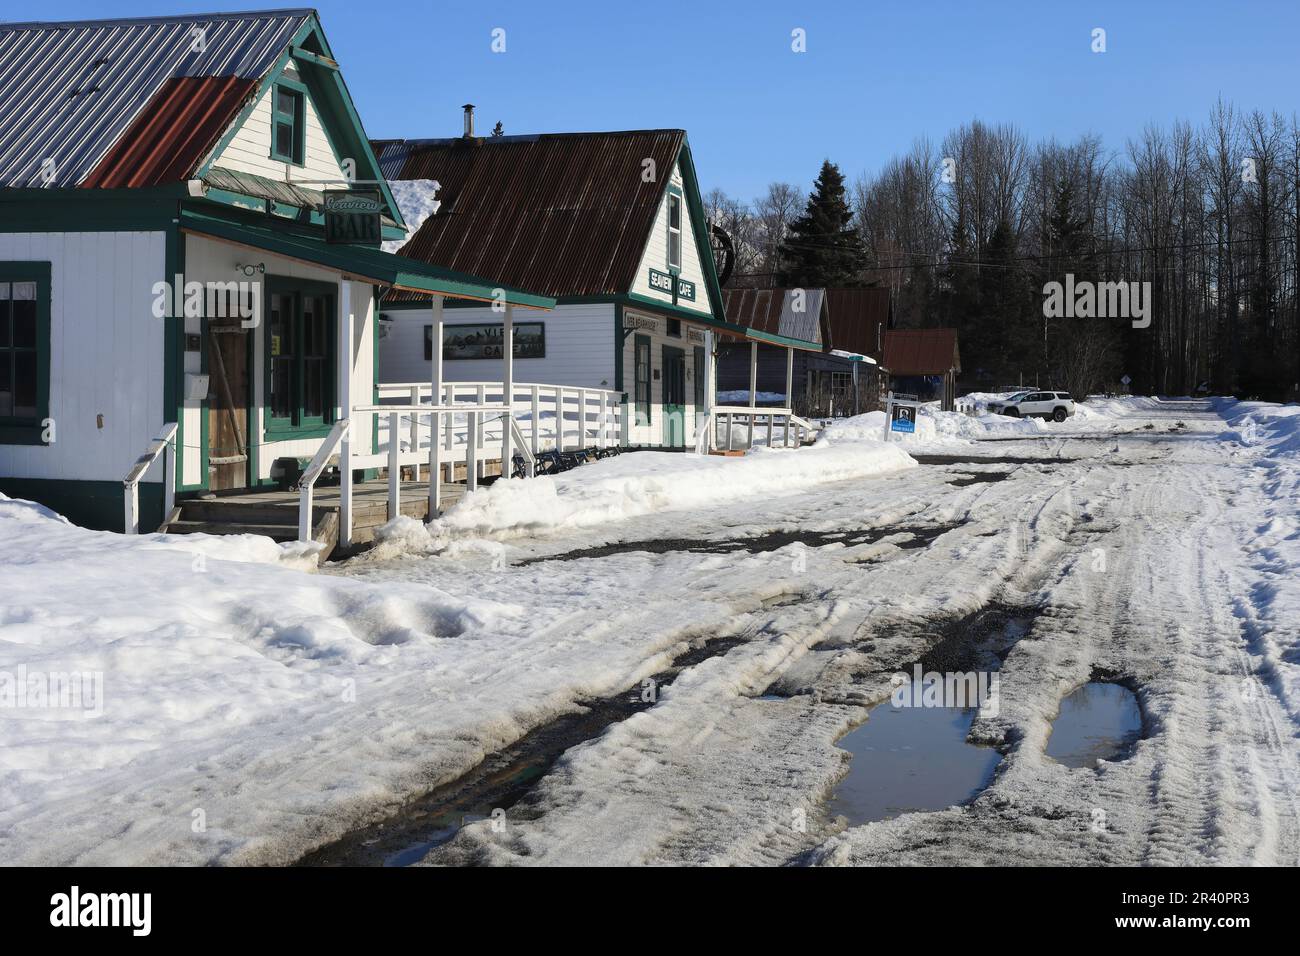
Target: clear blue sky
877, 73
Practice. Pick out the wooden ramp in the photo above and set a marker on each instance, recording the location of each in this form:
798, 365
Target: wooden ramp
274, 513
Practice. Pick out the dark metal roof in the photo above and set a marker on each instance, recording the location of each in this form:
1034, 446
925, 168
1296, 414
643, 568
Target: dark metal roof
771, 312
565, 214
921, 351
171, 135
68, 91
858, 319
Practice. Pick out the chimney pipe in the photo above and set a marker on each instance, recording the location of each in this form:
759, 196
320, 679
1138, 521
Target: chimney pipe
469, 120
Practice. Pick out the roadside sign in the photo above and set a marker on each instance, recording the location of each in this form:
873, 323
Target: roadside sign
1124, 380
903, 419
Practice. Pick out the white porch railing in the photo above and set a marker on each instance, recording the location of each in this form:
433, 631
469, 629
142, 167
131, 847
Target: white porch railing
165, 442
307, 481
728, 418
550, 417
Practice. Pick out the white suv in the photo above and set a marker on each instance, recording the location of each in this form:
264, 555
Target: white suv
1058, 406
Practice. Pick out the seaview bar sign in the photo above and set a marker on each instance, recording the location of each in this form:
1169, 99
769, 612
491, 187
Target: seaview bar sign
352, 216
663, 282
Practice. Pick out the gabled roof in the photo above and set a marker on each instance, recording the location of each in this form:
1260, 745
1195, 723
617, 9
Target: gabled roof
69, 91
921, 351
770, 315
858, 319
566, 214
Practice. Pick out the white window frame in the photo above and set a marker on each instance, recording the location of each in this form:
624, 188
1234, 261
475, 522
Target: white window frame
673, 197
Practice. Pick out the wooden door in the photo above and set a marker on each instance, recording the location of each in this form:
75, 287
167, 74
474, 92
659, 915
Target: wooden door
228, 392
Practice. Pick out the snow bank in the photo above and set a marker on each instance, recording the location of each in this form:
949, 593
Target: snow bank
640, 483
1274, 428
934, 428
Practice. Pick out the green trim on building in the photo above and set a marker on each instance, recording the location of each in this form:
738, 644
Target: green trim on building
90, 504
301, 425
81, 210
24, 430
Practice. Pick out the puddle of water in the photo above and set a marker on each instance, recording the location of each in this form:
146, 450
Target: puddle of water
911, 758
1099, 721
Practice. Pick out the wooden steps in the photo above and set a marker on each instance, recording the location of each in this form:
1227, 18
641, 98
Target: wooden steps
274, 513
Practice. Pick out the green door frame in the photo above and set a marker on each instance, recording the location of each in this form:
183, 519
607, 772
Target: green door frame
674, 381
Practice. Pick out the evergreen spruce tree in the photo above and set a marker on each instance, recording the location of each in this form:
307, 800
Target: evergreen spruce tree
822, 248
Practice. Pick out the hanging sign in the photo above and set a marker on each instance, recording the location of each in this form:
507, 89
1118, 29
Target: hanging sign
352, 216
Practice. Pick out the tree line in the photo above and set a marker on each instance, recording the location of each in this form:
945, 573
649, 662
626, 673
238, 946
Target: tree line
1200, 222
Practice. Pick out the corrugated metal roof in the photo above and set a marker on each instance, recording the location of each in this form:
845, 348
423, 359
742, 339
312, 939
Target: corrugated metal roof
564, 214
68, 91
921, 351
858, 319
772, 311
171, 135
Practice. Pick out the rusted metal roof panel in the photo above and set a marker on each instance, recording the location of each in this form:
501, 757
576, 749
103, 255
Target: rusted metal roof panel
777, 312
858, 319
561, 214
69, 91
173, 133
921, 351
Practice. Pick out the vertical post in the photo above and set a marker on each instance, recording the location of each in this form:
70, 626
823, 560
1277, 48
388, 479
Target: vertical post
448, 399
471, 450
508, 391
559, 419
435, 463
537, 410
132, 517
789, 391
346, 320
480, 435
169, 477
582, 418
414, 437
305, 514
394, 467
753, 377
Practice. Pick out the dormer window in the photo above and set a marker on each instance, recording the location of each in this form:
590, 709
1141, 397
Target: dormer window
287, 124
674, 232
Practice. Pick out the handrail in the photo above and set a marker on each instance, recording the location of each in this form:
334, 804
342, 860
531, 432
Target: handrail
131, 483
307, 480
530, 462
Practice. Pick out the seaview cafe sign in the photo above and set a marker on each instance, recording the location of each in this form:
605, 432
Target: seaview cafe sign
352, 216
663, 282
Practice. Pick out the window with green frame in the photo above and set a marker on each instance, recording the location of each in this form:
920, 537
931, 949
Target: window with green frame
641, 395
24, 351
301, 357
287, 122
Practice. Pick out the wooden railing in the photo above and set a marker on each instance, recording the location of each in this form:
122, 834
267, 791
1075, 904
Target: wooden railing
727, 417
165, 442
558, 417
307, 481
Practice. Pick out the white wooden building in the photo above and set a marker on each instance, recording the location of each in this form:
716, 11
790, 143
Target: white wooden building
611, 226
167, 286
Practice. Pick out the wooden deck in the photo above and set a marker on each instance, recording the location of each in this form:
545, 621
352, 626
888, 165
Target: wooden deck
274, 513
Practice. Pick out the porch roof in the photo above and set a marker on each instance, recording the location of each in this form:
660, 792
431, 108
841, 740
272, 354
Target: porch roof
362, 262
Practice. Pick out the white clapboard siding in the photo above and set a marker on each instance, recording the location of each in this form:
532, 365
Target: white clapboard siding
656, 257
209, 260
653, 433
250, 148
106, 353
579, 347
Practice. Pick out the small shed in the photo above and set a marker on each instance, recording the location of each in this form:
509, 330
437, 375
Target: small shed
924, 362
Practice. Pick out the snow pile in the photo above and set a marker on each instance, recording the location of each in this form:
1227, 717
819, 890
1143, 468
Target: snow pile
418, 200
642, 483
933, 427
1275, 429
741, 397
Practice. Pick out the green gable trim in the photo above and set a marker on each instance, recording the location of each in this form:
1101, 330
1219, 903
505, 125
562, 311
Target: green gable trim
695, 205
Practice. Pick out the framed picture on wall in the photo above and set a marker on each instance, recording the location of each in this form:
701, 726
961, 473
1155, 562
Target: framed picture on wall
484, 341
